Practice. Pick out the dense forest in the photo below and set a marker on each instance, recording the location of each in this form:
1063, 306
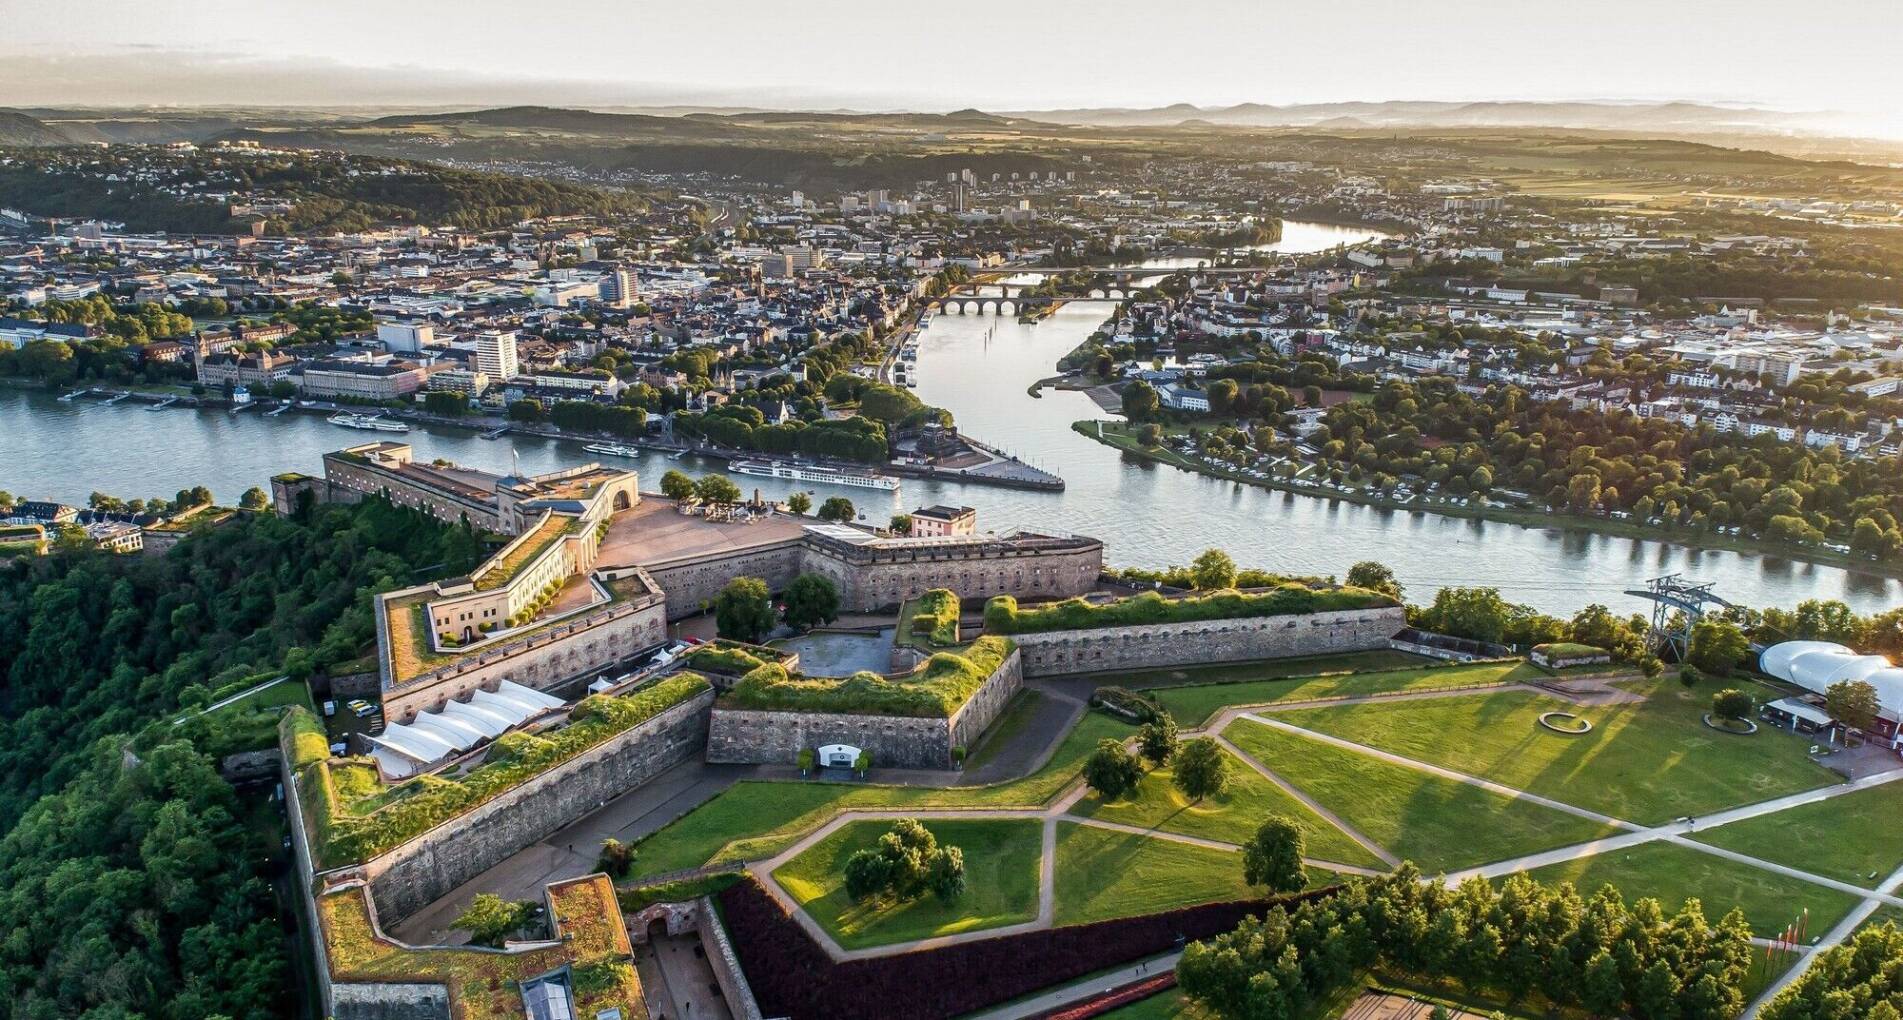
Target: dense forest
151, 189
131, 881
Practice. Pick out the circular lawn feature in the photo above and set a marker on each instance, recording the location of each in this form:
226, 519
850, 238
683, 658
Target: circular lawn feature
1565, 722
1736, 727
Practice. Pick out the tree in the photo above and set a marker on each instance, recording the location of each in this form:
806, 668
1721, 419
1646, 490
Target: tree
837, 508
1374, 576
1202, 769
1273, 856
717, 489
946, 876
905, 862
1111, 770
1157, 741
1213, 569
1717, 646
1853, 703
677, 485
1150, 435
254, 498
812, 599
1477, 613
617, 858
901, 524
743, 610
1731, 703
490, 919
447, 403
1140, 401
799, 503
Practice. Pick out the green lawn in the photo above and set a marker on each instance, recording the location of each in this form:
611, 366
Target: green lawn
1274, 669
1005, 728
1232, 817
1437, 823
1852, 838
1647, 762
1167, 1005
1673, 873
1001, 871
754, 820
1192, 705
1103, 874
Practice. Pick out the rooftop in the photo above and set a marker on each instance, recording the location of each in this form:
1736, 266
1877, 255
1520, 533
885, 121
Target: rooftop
655, 534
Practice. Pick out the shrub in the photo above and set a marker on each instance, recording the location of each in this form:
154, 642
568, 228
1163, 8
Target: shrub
935, 615
1002, 615
723, 658
1128, 704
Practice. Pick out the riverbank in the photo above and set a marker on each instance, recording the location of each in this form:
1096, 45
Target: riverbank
1121, 437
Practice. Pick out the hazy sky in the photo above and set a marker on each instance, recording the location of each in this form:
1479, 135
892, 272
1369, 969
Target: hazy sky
881, 54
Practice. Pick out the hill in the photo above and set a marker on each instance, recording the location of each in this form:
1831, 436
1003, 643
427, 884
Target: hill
17, 128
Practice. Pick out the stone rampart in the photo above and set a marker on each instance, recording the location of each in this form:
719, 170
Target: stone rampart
423, 870
691, 584
751, 736
1172, 645
389, 1001
869, 577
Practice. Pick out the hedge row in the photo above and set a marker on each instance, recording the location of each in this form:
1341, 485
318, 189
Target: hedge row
515, 758
1002, 615
935, 690
792, 976
935, 615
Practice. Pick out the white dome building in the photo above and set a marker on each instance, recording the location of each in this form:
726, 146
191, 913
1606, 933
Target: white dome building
1815, 665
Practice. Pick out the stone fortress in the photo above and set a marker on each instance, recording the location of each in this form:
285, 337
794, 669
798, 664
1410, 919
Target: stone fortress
591, 575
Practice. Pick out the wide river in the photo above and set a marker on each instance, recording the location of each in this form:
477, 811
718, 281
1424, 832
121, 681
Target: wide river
979, 367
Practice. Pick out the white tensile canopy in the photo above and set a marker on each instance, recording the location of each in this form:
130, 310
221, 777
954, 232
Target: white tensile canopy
404, 749
1815, 665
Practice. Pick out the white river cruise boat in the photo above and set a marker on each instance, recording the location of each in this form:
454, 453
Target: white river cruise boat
815, 473
371, 422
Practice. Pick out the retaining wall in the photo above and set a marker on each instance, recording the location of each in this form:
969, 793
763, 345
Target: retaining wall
1170, 645
749, 736
423, 870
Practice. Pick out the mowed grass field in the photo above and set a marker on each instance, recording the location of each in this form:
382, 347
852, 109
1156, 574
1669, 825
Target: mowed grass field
1001, 873
1648, 761
1854, 838
1260, 684
1439, 824
1672, 874
754, 820
1231, 817
1103, 874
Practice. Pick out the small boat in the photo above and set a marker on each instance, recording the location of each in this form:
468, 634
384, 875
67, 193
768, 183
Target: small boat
371, 422
280, 409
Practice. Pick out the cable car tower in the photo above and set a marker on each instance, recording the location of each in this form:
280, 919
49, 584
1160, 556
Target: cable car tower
1669, 594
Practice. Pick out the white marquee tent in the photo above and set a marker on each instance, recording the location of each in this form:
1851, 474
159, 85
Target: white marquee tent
404, 749
1815, 665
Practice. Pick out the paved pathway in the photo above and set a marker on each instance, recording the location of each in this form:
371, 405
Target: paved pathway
1078, 991
1834, 937
1311, 803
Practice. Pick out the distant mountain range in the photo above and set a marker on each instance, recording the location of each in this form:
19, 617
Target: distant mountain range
1659, 118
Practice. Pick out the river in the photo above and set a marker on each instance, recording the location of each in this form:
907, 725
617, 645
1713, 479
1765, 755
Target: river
1148, 515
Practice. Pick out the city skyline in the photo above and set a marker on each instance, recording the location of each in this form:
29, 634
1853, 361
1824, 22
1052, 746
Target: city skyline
858, 55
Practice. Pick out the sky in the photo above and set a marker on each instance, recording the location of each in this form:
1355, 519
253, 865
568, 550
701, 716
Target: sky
1825, 55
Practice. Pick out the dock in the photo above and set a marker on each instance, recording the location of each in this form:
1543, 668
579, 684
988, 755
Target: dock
496, 434
163, 404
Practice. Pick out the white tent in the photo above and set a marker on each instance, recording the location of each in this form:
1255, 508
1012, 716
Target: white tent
404, 749
1815, 665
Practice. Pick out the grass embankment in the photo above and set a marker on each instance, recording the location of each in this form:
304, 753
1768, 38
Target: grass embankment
1673, 874
1123, 437
498, 571
1852, 838
720, 657
1001, 874
753, 820
1103, 874
1439, 824
1002, 615
1646, 761
486, 986
1231, 817
936, 689
930, 621
1216, 688
356, 818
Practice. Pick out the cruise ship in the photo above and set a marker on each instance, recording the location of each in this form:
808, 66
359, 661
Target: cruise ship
372, 422
815, 473
613, 449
